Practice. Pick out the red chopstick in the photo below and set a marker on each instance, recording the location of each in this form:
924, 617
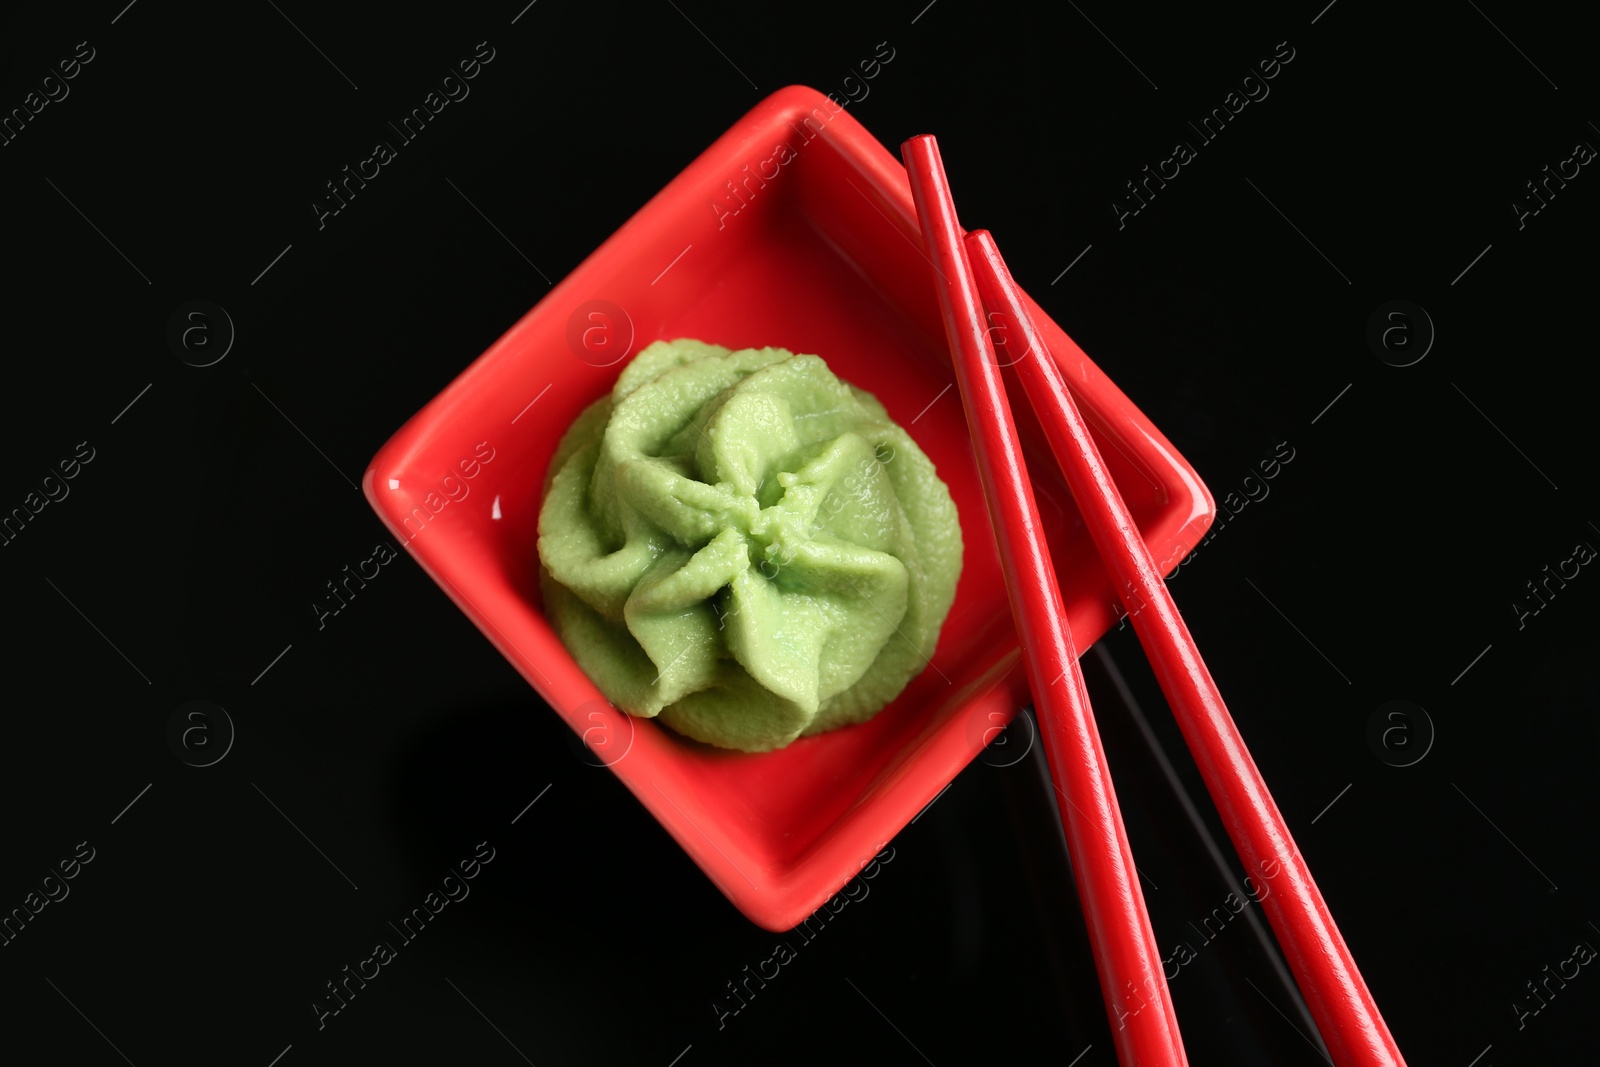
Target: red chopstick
1144, 1026
1340, 1002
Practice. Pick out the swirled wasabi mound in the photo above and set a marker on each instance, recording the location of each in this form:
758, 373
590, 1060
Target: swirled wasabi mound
744, 547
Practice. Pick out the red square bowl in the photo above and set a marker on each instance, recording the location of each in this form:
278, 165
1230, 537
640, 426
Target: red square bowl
795, 229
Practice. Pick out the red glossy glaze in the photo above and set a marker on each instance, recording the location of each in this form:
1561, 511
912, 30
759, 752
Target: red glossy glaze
1144, 1026
820, 255
1345, 1012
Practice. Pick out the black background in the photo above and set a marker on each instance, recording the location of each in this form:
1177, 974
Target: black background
215, 508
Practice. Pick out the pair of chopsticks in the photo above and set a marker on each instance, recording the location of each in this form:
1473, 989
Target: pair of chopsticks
971, 277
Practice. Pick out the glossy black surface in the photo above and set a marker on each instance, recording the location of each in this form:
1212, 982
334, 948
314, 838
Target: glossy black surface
1385, 559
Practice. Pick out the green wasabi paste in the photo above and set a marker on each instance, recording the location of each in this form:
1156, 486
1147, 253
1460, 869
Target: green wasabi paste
744, 547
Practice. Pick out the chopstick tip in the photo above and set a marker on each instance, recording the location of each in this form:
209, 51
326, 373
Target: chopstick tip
924, 146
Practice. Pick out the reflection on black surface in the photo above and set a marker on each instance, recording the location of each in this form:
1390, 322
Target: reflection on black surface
968, 944
1222, 1019
1235, 998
